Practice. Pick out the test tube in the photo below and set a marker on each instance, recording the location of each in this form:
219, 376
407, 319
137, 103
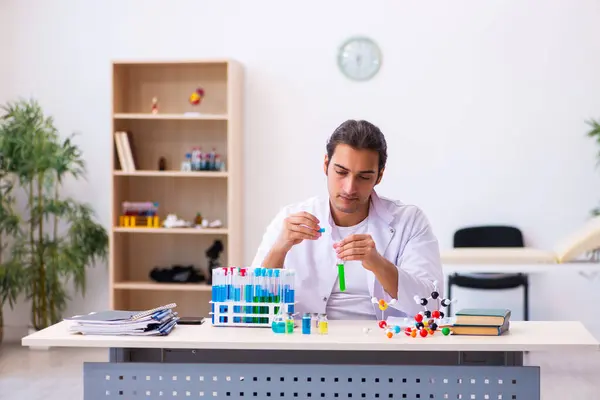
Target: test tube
292, 290
247, 293
276, 288
341, 275
256, 299
270, 290
236, 292
220, 291
213, 298
264, 296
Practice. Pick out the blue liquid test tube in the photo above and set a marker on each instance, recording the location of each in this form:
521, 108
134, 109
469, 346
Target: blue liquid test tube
213, 299
247, 294
236, 293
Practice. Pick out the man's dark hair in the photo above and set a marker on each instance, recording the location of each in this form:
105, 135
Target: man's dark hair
359, 135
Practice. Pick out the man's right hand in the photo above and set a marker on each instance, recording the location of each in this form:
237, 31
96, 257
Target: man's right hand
296, 228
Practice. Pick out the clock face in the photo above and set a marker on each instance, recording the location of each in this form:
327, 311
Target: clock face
359, 58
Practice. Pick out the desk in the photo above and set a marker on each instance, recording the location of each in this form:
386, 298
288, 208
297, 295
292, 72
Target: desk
225, 362
525, 268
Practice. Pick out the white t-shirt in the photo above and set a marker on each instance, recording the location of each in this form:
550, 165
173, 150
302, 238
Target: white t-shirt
355, 302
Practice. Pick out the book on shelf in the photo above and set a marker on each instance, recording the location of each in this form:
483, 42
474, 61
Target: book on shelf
125, 151
157, 321
581, 245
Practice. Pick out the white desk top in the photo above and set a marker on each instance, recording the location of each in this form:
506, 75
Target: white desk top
343, 336
524, 268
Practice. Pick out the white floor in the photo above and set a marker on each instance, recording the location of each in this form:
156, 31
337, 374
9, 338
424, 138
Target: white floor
56, 374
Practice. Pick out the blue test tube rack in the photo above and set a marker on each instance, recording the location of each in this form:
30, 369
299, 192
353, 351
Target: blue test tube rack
251, 297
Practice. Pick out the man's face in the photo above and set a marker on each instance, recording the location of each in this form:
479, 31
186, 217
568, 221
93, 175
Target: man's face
351, 177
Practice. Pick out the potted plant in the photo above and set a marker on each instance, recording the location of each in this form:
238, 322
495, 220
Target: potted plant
58, 237
10, 277
594, 133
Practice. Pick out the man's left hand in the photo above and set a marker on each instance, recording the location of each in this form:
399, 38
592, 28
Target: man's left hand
358, 247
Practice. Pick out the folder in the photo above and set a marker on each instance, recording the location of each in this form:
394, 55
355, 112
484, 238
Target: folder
157, 321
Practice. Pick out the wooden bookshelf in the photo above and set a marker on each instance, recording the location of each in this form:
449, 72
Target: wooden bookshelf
171, 133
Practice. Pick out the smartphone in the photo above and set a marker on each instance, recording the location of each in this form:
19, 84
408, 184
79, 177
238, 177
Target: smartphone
191, 321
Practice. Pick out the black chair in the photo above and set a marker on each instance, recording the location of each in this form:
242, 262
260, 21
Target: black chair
490, 236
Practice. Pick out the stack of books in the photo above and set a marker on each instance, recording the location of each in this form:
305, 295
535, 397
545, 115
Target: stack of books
481, 322
159, 321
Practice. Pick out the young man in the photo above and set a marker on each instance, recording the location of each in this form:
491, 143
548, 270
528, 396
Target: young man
388, 248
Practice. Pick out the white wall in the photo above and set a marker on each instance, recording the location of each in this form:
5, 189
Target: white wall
483, 105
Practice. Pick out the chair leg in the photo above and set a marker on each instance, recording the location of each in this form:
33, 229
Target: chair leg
526, 300
449, 296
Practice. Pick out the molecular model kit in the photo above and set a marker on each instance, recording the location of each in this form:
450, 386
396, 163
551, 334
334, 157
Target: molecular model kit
425, 323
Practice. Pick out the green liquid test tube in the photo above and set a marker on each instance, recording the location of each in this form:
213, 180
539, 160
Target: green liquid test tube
341, 276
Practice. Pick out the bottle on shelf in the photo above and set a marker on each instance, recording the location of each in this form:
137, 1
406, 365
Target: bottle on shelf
197, 159
186, 165
211, 160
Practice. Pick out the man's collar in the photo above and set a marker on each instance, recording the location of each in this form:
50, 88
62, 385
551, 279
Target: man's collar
380, 209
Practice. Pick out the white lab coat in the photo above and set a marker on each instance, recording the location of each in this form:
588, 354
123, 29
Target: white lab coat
402, 234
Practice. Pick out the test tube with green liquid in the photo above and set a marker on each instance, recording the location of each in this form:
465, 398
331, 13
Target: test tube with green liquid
341, 275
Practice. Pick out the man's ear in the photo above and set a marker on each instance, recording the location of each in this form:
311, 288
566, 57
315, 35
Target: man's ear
325, 164
380, 176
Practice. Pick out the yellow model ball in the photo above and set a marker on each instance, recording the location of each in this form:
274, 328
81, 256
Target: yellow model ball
194, 98
383, 305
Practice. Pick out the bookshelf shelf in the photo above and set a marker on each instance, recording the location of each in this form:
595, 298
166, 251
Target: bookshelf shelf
173, 231
172, 174
149, 116
157, 147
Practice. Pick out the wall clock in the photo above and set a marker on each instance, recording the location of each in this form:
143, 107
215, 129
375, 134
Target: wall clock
359, 58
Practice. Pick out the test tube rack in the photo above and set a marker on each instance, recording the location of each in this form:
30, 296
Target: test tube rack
240, 313
251, 297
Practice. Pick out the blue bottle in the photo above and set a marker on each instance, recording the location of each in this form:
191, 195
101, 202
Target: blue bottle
306, 322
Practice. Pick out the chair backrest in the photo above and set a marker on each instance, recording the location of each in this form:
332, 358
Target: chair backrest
489, 236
